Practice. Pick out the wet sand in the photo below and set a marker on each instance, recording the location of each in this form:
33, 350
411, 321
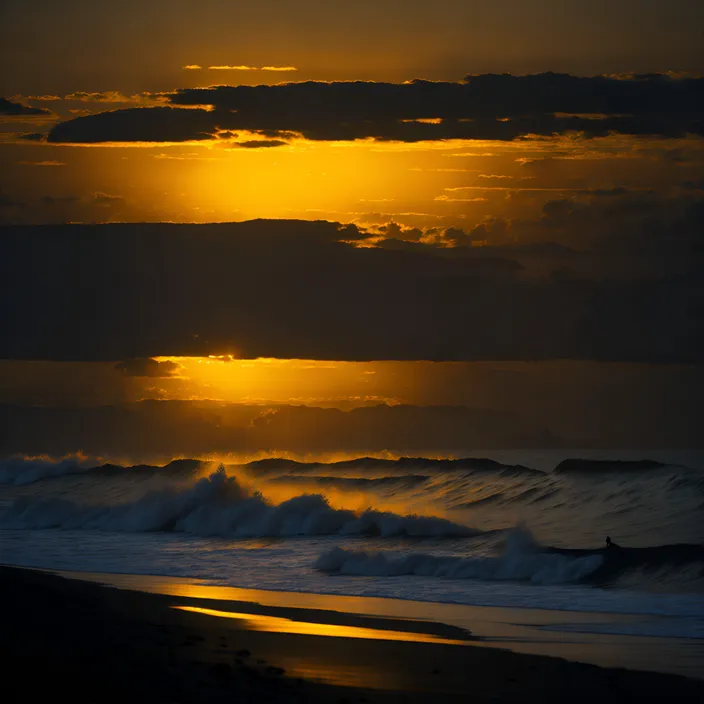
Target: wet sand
594, 638
90, 643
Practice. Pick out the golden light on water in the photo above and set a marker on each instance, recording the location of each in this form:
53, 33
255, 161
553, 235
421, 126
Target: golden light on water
277, 624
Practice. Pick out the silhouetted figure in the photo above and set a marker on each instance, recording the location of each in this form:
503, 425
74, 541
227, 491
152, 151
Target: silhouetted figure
608, 542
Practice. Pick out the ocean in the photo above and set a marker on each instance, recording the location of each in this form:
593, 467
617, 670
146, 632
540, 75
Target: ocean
519, 529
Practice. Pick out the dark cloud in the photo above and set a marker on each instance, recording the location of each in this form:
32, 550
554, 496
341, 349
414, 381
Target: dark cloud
7, 107
32, 136
106, 199
594, 233
159, 124
542, 103
147, 367
589, 395
261, 143
608, 192
292, 289
393, 230
51, 163
179, 427
275, 134
59, 200
497, 107
49, 208
638, 223
111, 96
575, 408
43, 98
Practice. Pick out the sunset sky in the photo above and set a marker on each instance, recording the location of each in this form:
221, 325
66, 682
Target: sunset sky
493, 204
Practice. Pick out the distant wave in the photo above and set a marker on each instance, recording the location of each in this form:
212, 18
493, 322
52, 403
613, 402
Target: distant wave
219, 506
593, 466
351, 482
19, 471
482, 500
474, 464
175, 468
531, 495
523, 560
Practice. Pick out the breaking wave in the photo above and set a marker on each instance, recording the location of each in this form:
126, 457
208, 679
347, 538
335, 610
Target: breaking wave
219, 506
403, 480
644, 506
18, 471
521, 561
524, 560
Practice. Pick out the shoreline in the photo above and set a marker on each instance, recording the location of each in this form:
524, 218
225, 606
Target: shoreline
605, 639
94, 640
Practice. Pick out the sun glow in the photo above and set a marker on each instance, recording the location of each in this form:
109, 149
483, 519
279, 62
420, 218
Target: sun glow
299, 176
299, 381
240, 175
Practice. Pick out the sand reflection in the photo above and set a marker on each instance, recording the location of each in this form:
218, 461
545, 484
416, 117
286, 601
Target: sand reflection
278, 624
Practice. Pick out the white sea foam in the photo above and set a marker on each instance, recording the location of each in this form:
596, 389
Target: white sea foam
521, 561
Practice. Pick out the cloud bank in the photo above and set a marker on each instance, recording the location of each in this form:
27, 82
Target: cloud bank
298, 289
488, 107
147, 368
11, 109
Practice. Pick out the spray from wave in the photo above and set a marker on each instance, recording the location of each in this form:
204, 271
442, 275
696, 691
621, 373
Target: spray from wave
19, 470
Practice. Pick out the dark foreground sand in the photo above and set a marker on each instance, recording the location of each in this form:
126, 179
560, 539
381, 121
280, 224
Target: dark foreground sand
65, 639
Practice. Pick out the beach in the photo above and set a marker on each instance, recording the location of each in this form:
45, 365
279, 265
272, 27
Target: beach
90, 642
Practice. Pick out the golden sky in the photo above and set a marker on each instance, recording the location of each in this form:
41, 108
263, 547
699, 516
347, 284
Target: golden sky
549, 216
67, 61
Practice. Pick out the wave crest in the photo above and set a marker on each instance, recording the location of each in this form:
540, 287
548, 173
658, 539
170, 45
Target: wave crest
376, 464
19, 471
579, 465
218, 505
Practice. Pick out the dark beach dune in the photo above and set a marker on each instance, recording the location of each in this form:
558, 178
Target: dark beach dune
75, 640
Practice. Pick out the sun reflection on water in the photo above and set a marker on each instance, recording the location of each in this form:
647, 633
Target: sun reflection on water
277, 624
